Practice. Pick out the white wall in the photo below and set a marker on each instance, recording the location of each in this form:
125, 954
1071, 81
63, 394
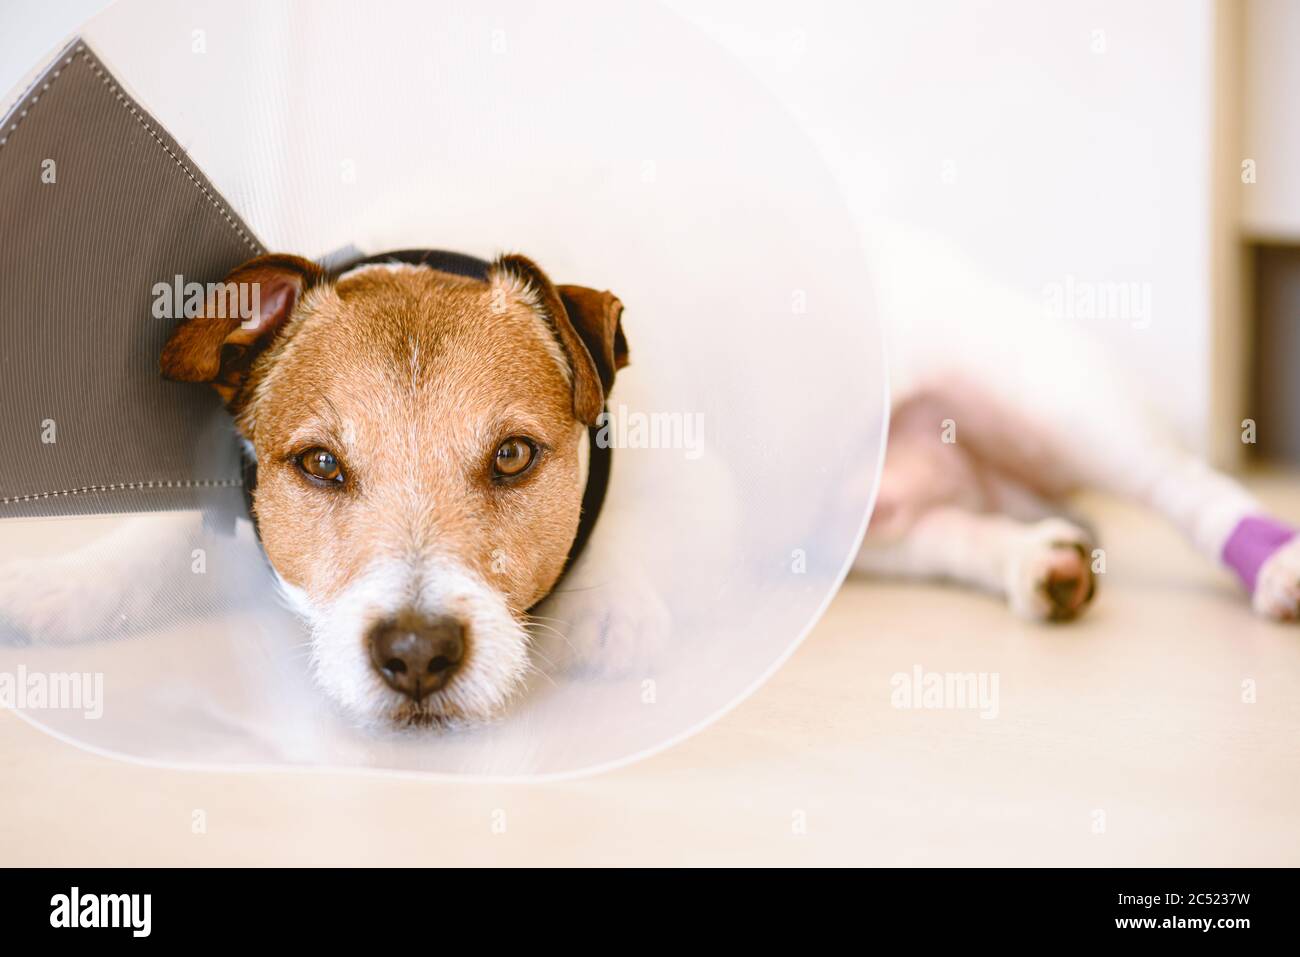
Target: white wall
29, 31
1270, 207
1063, 160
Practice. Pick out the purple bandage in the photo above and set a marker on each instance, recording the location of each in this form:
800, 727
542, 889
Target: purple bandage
1251, 543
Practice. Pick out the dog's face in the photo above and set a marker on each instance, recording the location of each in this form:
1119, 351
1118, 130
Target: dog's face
419, 446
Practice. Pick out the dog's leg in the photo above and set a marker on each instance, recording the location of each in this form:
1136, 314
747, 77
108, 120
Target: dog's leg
1222, 520
1043, 568
1116, 453
1032, 399
108, 586
1113, 452
945, 512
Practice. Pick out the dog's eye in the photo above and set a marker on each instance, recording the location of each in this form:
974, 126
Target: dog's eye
513, 457
321, 464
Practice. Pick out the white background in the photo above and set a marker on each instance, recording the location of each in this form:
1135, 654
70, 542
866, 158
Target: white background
999, 125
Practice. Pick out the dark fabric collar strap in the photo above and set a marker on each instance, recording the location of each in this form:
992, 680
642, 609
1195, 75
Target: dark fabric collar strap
458, 264
599, 462
600, 457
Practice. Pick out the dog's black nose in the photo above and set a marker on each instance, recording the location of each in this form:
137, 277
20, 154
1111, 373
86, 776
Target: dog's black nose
417, 655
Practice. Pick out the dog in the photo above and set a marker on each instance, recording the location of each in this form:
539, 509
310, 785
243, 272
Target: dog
421, 445
422, 448
999, 413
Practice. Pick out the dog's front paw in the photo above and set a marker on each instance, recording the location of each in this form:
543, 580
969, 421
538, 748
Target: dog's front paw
1277, 588
620, 632
1050, 574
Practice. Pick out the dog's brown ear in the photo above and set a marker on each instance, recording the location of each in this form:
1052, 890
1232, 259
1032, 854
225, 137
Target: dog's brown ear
597, 317
587, 323
238, 321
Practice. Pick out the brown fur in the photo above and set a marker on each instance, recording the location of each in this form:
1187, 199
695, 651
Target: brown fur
401, 377
412, 378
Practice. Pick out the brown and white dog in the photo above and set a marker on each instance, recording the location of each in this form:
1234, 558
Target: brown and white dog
420, 440
421, 445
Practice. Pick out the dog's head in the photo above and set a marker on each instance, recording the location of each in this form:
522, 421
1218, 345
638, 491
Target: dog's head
419, 445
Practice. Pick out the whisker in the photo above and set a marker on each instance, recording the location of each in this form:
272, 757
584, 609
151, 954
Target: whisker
570, 591
555, 631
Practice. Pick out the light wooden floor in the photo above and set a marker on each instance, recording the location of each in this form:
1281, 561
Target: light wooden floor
1121, 739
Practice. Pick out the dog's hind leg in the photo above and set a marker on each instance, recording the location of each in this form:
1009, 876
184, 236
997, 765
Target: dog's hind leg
943, 513
1031, 398
1056, 443
1043, 568
1115, 453
1221, 518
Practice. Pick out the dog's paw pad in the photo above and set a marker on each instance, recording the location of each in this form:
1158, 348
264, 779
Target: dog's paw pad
1277, 589
1050, 576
